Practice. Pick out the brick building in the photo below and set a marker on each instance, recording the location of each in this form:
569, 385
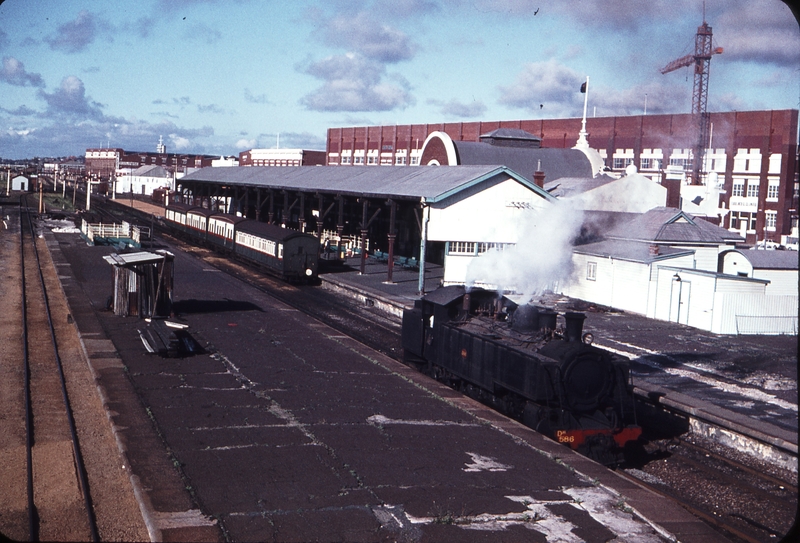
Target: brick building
753, 153
103, 163
281, 157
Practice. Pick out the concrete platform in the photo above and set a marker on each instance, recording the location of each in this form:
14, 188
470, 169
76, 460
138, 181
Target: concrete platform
286, 430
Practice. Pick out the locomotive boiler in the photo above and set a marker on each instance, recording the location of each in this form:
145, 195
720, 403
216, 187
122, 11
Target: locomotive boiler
521, 360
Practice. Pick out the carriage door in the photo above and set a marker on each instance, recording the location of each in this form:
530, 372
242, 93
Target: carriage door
679, 300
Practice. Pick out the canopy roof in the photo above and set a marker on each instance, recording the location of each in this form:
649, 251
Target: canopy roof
427, 183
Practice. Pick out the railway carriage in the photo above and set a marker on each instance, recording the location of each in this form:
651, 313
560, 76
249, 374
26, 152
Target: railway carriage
175, 214
287, 253
222, 230
283, 252
197, 222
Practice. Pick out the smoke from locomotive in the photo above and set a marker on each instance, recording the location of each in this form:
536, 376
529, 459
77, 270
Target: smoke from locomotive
541, 257
518, 358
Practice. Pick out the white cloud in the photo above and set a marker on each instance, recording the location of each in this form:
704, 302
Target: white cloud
544, 85
179, 143
353, 83
246, 144
13, 72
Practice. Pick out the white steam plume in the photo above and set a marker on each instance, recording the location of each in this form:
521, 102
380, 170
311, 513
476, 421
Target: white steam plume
541, 258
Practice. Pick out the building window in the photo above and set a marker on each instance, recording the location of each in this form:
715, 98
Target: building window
738, 188
400, 161
772, 191
647, 163
345, 160
358, 160
685, 163
752, 189
484, 246
462, 248
743, 220
619, 163
414, 160
771, 219
591, 271
372, 160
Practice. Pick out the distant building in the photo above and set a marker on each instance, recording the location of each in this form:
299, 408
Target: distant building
143, 180
778, 267
516, 149
670, 266
225, 162
281, 157
103, 163
753, 153
20, 182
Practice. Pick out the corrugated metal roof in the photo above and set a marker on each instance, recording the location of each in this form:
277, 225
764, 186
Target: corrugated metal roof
772, 260
143, 257
633, 251
150, 171
670, 225
572, 186
555, 163
402, 182
716, 275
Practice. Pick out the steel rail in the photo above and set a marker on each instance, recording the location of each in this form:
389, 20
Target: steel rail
33, 524
692, 508
78, 456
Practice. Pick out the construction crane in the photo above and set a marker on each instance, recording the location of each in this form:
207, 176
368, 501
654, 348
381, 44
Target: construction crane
701, 59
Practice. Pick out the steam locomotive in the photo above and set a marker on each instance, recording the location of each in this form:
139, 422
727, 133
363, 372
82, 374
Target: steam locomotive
517, 358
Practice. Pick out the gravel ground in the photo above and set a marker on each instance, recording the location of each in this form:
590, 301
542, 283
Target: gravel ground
117, 513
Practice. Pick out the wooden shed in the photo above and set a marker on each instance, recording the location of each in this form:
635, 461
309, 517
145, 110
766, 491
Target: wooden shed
143, 283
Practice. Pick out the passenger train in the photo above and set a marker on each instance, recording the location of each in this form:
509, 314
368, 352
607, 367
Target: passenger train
285, 253
518, 359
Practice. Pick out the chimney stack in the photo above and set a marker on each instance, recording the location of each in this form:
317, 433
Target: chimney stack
538, 175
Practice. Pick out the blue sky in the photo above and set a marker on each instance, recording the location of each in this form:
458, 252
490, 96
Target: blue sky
222, 76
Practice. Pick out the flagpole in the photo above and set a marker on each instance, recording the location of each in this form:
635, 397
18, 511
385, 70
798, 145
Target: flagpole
582, 135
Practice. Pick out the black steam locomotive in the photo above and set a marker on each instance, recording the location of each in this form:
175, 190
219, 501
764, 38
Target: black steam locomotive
518, 358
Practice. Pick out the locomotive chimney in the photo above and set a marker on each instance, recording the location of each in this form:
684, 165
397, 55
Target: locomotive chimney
465, 303
547, 319
526, 319
574, 326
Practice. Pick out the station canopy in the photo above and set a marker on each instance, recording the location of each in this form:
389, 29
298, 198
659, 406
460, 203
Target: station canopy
430, 184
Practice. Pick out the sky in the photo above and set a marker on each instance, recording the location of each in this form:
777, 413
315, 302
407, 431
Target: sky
222, 76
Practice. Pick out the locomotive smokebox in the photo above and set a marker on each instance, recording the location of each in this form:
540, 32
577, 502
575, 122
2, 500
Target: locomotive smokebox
574, 326
547, 319
526, 319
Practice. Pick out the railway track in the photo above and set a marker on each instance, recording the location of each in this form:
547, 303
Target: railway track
59, 504
735, 495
